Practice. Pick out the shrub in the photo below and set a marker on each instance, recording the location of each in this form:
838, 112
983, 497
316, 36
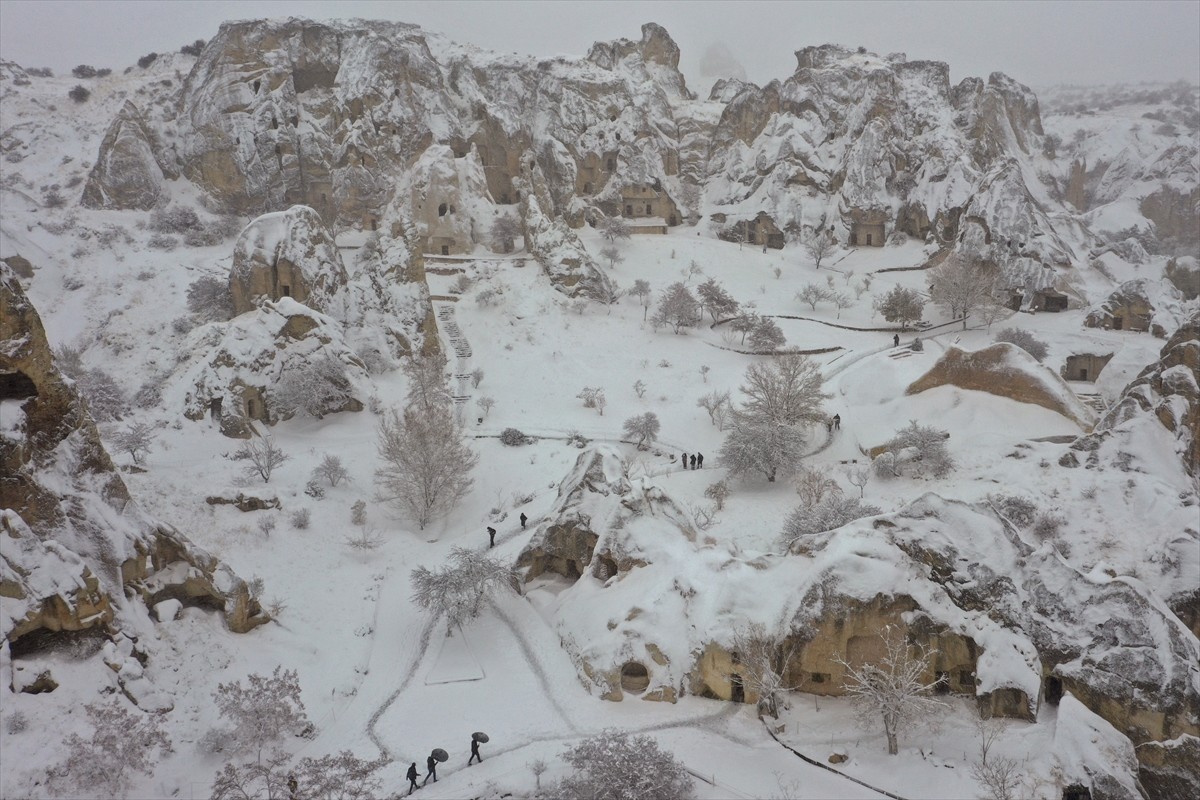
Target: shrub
161, 241
616, 765
84, 71
53, 199
194, 48
300, 519
919, 449
40, 72
17, 722
103, 73
147, 60
1020, 511
209, 298
1024, 340
513, 437
174, 219
1047, 523
104, 397
833, 511
79, 94
718, 493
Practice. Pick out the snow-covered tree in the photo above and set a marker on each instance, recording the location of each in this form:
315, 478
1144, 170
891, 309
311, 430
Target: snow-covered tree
617, 765
761, 445
331, 469
818, 245
476, 377
677, 307
208, 298
918, 449
814, 485
427, 386
767, 335
264, 457
641, 290
962, 285
105, 399
892, 689
424, 462
317, 387
612, 255
713, 401
830, 512
614, 228
715, 300
812, 294
786, 390
122, 744
718, 492
744, 323
901, 305
1026, 341
135, 440
342, 776
485, 404
859, 476
1003, 778
761, 662
457, 591
643, 427
263, 711
504, 233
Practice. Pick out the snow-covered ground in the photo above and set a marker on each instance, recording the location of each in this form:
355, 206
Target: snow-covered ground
378, 676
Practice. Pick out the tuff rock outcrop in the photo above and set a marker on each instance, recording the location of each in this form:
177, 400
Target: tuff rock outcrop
130, 169
76, 553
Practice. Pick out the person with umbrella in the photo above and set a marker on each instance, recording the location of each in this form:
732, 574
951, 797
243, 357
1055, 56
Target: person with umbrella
476, 738
431, 765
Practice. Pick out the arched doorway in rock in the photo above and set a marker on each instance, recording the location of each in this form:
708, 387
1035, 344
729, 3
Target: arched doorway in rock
16, 385
635, 678
1053, 690
737, 690
1077, 792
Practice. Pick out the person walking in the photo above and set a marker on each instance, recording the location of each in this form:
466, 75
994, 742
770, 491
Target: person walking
837, 422
431, 765
412, 778
693, 461
896, 340
524, 519
491, 536
474, 751
699, 460
685, 460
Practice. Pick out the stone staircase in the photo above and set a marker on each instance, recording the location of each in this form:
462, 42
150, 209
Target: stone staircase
1093, 401
448, 324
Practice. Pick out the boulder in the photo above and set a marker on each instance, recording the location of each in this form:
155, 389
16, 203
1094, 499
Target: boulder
129, 169
1171, 769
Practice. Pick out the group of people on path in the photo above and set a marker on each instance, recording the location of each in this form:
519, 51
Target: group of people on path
431, 766
697, 460
492, 531
834, 423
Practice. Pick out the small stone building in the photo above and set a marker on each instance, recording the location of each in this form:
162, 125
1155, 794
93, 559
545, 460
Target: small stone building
1126, 309
647, 201
1084, 366
868, 227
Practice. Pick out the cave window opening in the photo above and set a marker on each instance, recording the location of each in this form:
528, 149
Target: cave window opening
648, 211
445, 249
1054, 690
629, 211
819, 677
442, 209
737, 689
16, 385
257, 84
285, 291
611, 164
635, 678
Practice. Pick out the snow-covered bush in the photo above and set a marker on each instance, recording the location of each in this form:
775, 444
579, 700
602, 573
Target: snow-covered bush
343, 776
917, 449
1047, 523
208, 298
504, 232
1024, 340
718, 492
457, 591
122, 744
161, 241
315, 387
643, 427
901, 305
147, 60
617, 765
262, 711
832, 511
1020, 511
331, 469
301, 518
79, 94
16, 722
174, 219
105, 399
513, 437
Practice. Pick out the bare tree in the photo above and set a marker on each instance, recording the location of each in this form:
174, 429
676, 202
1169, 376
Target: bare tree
718, 492
263, 711
767, 335
677, 308
704, 370
892, 689
713, 401
614, 228
331, 469
901, 305
761, 662
813, 294
616, 765
639, 388
538, 767
209, 299
427, 387
504, 232
121, 745
744, 323
424, 462
135, 440
1003, 778
476, 377
813, 486
962, 285
830, 512
841, 301
859, 476
818, 245
263, 455
643, 427
786, 390
612, 255
457, 591
641, 290
485, 404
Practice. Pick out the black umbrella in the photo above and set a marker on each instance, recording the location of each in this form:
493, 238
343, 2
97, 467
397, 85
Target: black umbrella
440, 755
480, 737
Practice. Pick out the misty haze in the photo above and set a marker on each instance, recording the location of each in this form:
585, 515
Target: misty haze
564, 400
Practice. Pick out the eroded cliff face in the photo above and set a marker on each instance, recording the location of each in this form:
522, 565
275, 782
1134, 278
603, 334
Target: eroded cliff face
75, 551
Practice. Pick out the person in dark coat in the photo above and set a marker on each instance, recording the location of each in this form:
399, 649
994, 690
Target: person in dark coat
837, 422
700, 460
693, 461
896, 340
474, 751
412, 778
685, 460
524, 519
491, 536
431, 765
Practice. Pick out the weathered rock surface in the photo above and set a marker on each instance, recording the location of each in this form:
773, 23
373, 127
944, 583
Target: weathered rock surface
1171, 770
129, 170
1008, 371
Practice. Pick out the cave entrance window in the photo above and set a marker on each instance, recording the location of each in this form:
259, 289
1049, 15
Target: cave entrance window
504, 199
629, 211
635, 678
587, 188
648, 211
1054, 690
966, 678
442, 209
257, 84
374, 224
612, 164
274, 124
517, 196
869, 240
16, 385
737, 690
819, 677
672, 221
1118, 323
278, 150
214, 408
252, 409
445, 249
285, 291
1083, 373
854, 240
1077, 792
323, 199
